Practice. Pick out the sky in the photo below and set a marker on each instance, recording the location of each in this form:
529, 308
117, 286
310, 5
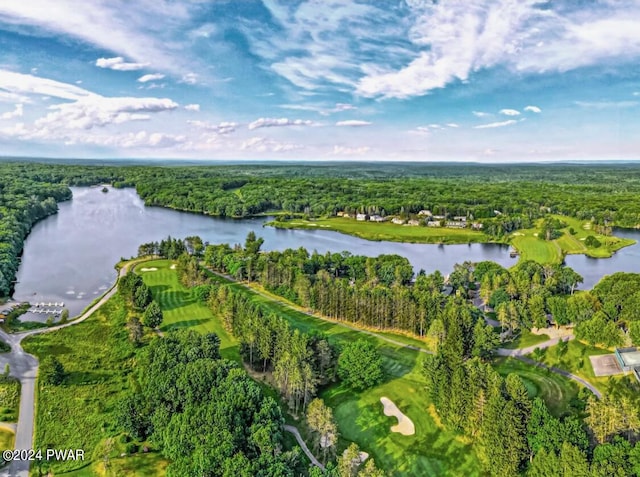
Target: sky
392, 80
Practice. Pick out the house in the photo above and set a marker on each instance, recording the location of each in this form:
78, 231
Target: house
340, 214
413, 222
361, 217
433, 223
397, 221
439, 217
376, 218
460, 218
477, 226
425, 213
456, 224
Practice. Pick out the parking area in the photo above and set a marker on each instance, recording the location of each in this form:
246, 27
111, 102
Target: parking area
605, 365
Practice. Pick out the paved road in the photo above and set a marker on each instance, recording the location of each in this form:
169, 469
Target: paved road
24, 367
530, 349
305, 449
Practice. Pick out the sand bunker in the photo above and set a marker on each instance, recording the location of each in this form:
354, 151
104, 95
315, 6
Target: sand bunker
152, 269
405, 425
173, 267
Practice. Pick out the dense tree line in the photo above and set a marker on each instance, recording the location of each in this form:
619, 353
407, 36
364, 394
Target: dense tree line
504, 198
208, 417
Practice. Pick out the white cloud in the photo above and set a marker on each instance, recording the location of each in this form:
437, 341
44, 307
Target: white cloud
117, 63
499, 124
261, 144
343, 107
150, 77
190, 78
481, 114
636, 93
607, 104
143, 31
353, 123
420, 130
192, 107
454, 39
224, 127
533, 109
453, 125
278, 122
350, 151
510, 112
98, 111
16, 113
133, 140
21, 84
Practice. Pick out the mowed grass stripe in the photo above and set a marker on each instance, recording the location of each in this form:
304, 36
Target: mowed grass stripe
181, 308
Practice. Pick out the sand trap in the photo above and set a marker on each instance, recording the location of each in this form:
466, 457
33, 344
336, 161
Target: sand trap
152, 269
405, 425
517, 234
583, 238
173, 267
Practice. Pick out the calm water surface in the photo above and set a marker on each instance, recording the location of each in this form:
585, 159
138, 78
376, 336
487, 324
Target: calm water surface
70, 256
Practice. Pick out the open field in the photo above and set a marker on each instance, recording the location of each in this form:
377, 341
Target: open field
79, 414
181, 308
543, 251
140, 465
387, 231
9, 399
556, 391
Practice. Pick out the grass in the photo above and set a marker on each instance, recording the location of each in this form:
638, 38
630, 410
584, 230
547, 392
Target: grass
9, 399
552, 251
387, 231
556, 391
79, 414
181, 308
7, 439
137, 465
525, 339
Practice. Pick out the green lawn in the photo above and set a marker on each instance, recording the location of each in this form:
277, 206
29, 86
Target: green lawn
180, 307
556, 390
544, 251
387, 231
9, 399
79, 414
525, 339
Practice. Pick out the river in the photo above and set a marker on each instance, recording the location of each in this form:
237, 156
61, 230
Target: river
69, 257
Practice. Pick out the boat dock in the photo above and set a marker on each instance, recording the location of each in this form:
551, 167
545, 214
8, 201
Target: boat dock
50, 308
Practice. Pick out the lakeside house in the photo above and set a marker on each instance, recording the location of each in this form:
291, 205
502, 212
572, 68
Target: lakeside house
460, 218
456, 224
413, 222
438, 217
361, 217
433, 223
477, 226
424, 213
398, 221
341, 214
376, 218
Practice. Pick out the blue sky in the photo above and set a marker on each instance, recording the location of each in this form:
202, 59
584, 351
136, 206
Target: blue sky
454, 80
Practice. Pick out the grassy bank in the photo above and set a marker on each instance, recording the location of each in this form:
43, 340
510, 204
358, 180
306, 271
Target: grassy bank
80, 413
9, 399
531, 247
387, 231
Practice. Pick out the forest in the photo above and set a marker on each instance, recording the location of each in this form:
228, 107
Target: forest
503, 198
514, 433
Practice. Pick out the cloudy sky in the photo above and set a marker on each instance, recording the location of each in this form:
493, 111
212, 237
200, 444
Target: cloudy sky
481, 80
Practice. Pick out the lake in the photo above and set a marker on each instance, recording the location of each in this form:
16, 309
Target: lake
69, 257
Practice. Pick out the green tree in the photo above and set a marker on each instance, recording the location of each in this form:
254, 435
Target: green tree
152, 316
134, 327
320, 420
360, 365
52, 371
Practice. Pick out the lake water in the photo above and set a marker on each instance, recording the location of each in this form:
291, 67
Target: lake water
69, 257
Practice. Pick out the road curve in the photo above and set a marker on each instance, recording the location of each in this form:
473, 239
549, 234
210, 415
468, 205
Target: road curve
303, 445
24, 367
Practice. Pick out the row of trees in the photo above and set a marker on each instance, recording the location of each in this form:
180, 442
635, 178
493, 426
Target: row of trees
137, 294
